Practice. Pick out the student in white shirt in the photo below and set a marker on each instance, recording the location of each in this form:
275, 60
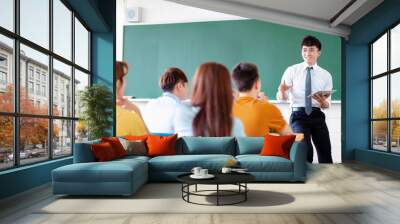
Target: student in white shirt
299, 82
210, 111
159, 113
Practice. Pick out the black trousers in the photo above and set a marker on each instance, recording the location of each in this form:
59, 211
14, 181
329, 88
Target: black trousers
314, 127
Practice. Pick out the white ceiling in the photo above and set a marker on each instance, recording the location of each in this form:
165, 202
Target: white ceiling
325, 16
320, 9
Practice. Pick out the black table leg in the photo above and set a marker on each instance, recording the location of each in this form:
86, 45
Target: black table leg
217, 194
182, 190
188, 190
245, 193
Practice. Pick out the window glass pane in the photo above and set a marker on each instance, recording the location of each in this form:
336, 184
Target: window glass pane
6, 142
379, 97
62, 29
62, 89
81, 81
395, 47
33, 139
35, 21
81, 45
395, 138
6, 74
379, 55
379, 135
7, 14
34, 82
81, 131
395, 95
62, 141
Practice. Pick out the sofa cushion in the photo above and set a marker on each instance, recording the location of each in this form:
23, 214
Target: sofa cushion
249, 145
206, 145
257, 163
129, 159
83, 152
112, 171
185, 163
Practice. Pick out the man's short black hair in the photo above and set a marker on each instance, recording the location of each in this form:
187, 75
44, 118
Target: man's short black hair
311, 41
245, 75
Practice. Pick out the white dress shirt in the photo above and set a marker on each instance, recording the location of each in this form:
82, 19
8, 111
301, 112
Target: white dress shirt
159, 113
295, 76
185, 114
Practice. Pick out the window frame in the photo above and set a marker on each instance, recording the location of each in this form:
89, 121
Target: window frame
16, 115
388, 74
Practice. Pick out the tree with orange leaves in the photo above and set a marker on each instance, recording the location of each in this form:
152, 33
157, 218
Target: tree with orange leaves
33, 130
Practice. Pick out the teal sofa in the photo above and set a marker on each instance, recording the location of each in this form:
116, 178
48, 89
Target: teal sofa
125, 176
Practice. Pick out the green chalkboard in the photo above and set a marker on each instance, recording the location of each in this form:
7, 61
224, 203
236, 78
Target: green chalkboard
149, 49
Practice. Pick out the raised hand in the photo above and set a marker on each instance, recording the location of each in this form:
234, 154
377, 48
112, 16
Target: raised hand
283, 87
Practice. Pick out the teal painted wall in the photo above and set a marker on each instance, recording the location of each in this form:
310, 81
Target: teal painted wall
102, 58
149, 49
103, 62
24, 178
379, 159
356, 103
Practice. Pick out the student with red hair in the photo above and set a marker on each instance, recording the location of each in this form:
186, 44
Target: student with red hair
210, 112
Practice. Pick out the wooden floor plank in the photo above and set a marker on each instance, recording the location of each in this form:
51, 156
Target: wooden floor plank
376, 190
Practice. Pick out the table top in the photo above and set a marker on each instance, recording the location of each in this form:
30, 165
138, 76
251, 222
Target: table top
220, 178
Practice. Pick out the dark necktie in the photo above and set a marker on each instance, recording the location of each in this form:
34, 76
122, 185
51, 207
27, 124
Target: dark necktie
308, 108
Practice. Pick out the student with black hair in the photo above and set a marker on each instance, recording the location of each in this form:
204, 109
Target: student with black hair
159, 113
259, 117
298, 85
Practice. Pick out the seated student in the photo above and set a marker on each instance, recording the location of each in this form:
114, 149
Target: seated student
159, 113
258, 116
210, 111
129, 120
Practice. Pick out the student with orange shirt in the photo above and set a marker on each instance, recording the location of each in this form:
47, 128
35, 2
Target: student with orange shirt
258, 116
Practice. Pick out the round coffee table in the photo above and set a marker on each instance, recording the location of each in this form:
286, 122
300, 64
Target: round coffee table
238, 179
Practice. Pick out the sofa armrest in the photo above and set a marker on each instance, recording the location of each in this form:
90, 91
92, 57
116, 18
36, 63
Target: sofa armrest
83, 152
298, 155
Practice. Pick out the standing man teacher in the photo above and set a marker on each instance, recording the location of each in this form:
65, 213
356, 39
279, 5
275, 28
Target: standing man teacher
298, 83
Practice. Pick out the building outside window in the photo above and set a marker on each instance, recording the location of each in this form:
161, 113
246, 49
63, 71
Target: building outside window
30, 72
3, 61
44, 91
37, 75
3, 78
38, 89
3, 72
30, 87
43, 77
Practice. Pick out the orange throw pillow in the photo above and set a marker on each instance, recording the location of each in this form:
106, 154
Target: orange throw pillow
275, 145
161, 145
103, 152
116, 145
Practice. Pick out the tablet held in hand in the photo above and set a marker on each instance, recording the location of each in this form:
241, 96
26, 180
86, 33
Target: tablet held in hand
324, 93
